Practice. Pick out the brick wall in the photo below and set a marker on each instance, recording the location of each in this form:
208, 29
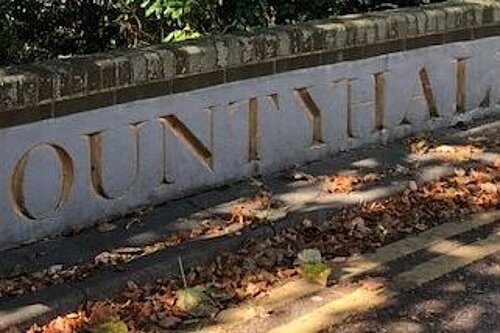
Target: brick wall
61, 87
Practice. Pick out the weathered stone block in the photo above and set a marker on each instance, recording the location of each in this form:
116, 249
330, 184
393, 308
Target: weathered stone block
167, 57
436, 20
398, 26
123, 70
194, 57
138, 67
333, 34
300, 38
27, 85
154, 64
9, 92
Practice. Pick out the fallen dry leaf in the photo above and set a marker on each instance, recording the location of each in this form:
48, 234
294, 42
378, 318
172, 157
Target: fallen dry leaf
496, 163
359, 224
341, 184
261, 264
248, 209
347, 183
169, 322
54, 269
456, 153
106, 227
372, 284
412, 185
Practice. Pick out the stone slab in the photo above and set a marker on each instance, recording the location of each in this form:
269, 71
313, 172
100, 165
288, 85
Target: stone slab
62, 174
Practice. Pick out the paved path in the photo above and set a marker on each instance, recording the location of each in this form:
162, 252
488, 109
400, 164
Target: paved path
395, 289
466, 300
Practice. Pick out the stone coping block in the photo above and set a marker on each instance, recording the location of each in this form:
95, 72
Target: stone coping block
56, 88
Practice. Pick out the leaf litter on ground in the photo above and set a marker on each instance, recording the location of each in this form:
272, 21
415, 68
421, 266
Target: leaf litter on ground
242, 213
258, 266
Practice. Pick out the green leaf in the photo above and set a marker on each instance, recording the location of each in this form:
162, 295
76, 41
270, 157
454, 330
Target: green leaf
309, 256
188, 299
182, 34
318, 273
312, 267
111, 326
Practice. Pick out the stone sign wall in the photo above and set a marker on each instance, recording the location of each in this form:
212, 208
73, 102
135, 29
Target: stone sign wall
97, 136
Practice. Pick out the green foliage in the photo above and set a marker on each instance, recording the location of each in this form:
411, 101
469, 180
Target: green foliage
110, 326
312, 267
309, 256
182, 19
40, 29
175, 9
182, 34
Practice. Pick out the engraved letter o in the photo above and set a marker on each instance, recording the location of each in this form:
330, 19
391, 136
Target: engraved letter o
66, 177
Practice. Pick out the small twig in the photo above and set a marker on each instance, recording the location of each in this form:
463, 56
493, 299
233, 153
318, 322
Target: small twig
183, 275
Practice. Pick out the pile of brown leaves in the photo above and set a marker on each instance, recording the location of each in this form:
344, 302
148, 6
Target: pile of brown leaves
456, 153
425, 144
250, 209
346, 183
421, 144
245, 212
258, 266
63, 324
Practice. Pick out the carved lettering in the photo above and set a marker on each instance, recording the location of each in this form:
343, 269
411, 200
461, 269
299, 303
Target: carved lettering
350, 132
379, 101
461, 85
477, 85
181, 131
225, 132
314, 115
428, 93
96, 163
486, 102
410, 96
66, 176
253, 125
253, 130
